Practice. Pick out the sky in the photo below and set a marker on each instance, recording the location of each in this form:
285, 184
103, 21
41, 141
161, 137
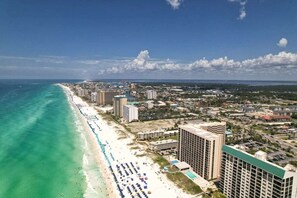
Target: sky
148, 39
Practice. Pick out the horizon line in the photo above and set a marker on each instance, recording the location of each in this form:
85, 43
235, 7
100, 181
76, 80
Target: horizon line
81, 79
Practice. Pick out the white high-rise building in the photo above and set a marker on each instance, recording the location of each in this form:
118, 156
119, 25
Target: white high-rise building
130, 113
246, 176
119, 102
200, 145
82, 92
151, 94
93, 96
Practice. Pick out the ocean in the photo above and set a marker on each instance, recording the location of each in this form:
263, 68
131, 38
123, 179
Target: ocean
41, 152
231, 82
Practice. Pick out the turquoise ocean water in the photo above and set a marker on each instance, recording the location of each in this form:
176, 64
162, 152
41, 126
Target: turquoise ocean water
40, 149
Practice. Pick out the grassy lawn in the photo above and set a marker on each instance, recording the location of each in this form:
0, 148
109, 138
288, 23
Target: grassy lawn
161, 161
218, 195
184, 183
141, 155
178, 178
215, 195
135, 147
172, 169
257, 127
294, 163
106, 116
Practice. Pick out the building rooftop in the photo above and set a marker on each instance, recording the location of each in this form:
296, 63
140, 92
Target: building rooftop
265, 165
196, 130
172, 131
212, 123
131, 106
149, 101
157, 131
182, 165
163, 142
120, 96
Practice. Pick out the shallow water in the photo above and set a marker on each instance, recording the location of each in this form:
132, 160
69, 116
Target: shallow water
40, 146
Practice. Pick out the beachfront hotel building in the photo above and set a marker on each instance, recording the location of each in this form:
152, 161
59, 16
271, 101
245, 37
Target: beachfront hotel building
246, 176
130, 113
118, 105
151, 94
82, 92
93, 96
106, 97
218, 128
201, 148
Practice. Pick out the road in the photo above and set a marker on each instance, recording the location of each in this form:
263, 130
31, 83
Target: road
274, 139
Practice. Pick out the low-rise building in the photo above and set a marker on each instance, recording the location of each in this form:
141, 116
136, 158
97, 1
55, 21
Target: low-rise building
150, 134
149, 104
170, 133
284, 110
163, 145
156, 134
276, 118
161, 104
182, 166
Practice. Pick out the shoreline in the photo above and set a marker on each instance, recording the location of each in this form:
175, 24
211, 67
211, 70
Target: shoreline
125, 173
89, 141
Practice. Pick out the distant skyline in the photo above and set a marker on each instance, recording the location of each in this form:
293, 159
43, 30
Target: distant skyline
161, 39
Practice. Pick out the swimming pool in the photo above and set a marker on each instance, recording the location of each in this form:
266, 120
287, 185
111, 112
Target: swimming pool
190, 175
174, 162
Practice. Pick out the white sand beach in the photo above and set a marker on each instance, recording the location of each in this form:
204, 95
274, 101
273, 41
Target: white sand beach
125, 174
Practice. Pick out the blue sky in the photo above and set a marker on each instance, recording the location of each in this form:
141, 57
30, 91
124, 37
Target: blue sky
188, 39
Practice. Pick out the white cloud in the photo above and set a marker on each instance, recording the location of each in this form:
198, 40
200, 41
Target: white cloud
282, 42
140, 63
39, 59
142, 58
271, 65
174, 3
242, 12
267, 63
89, 62
270, 61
